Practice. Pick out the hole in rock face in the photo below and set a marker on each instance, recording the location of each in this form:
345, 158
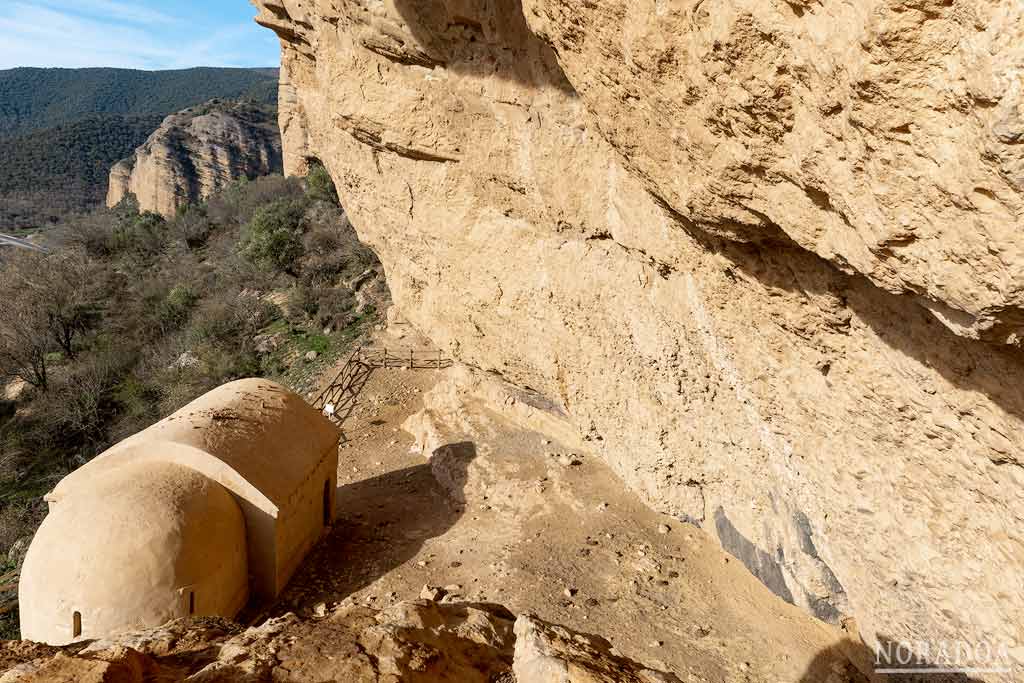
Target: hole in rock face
76, 624
191, 602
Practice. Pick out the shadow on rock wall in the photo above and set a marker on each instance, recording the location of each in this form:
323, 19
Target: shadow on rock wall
900, 321
481, 37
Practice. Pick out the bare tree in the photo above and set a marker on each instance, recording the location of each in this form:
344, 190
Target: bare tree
82, 408
25, 340
56, 290
67, 288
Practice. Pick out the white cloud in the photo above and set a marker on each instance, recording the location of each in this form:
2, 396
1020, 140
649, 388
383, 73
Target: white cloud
125, 36
112, 10
43, 37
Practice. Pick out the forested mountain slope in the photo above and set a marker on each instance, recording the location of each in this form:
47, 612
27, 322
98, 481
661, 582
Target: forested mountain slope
51, 172
35, 99
62, 129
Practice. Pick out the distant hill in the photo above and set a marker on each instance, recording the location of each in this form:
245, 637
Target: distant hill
62, 129
49, 173
35, 99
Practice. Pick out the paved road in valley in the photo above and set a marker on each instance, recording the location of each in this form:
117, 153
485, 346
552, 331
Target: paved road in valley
9, 241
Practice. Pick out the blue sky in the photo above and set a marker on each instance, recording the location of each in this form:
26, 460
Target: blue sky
139, 34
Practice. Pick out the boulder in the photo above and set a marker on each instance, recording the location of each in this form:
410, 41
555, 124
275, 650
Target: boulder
553, 654
118, 665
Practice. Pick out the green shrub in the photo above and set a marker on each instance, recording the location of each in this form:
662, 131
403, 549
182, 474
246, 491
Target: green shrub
231, 318
137, 399
326, 256
320, 185
143, 235
273, 239
227, 364
176, 306
316, 342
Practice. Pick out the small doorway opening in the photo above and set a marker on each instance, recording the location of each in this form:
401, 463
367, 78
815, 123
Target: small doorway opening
327, 503
191, 602
76, 624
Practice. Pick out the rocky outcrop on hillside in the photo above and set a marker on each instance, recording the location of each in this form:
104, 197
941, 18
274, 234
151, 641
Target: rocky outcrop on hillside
764, 256
196, 153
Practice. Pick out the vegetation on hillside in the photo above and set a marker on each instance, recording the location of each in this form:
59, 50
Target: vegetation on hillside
37, 99
62, 129
129, 317
51, 173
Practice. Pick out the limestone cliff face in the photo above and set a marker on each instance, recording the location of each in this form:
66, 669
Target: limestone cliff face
766, 256
197, 152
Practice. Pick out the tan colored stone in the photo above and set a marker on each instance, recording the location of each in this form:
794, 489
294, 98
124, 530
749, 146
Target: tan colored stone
882, 138
118, 665
262, 442
144, 544
226, 495
552, 654
194, 154
742, 248
173, 637
416, 642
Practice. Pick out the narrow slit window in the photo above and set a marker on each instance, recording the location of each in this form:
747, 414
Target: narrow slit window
327, 503
191, 602
76, 624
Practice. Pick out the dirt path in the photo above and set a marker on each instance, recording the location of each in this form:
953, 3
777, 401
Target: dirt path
505, 515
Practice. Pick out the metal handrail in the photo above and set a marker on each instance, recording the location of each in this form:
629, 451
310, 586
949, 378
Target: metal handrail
338, 399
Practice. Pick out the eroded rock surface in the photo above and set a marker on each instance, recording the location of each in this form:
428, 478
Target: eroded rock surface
765, 256
552, 654
413, 642
197, 152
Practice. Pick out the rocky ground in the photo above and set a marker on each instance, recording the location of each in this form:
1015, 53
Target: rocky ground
417, 641
454, 519
443, 498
